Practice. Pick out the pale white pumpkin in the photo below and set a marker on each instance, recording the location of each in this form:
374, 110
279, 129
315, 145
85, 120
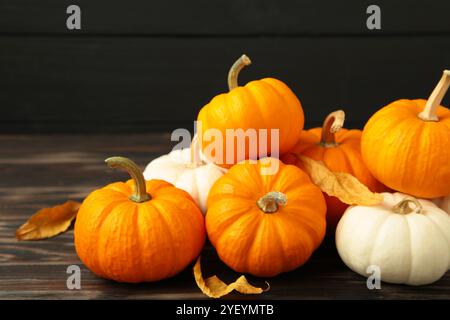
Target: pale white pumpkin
185, 169
443, 203
407, 238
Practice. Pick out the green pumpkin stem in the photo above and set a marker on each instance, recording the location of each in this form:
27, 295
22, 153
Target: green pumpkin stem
403, 207
429, 113
140, 193
332, 124
235, 69
269, 202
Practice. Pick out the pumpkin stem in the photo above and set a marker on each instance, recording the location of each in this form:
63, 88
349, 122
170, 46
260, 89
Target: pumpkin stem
403, 207
429, 113
332, 124
269, 202
235, 69
195, 154
140, 193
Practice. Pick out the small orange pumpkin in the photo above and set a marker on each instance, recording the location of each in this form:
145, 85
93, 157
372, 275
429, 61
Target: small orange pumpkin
340, 151
125, 234
406, 144
263, 104
265, 224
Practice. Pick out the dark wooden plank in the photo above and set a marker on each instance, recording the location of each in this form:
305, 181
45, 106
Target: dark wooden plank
236, 17
43, 170
95, 84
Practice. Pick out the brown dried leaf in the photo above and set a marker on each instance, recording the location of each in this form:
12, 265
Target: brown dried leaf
342, 185
48, 222
213, 287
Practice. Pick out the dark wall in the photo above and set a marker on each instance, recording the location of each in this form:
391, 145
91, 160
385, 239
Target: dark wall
151, 65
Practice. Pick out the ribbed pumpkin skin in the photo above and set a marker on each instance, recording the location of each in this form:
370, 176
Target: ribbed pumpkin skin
406, 153
410, 248
265, 244
125, 241
263, 104
344, 157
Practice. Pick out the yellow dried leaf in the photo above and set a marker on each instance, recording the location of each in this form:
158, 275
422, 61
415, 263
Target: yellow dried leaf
341, 185
213, 287
48, 222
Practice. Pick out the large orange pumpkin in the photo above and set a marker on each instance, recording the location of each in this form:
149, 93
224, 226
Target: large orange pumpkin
128, 235
263, 104
340, 151
406, 145
265, 224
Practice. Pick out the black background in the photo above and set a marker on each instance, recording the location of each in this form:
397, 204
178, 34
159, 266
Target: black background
151, 65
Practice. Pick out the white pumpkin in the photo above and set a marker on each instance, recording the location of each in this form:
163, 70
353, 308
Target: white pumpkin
185, 169
443, 203
407, 238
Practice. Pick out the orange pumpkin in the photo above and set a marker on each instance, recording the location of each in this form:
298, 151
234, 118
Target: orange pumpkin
263, 104
406, 144
125, 234
340, 151
265, 224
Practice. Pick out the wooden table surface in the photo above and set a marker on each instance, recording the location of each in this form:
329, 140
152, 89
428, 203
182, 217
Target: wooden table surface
44, 170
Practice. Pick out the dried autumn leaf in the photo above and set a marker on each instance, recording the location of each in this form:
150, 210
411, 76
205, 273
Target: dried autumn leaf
48, 222
341, 185
213, 287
